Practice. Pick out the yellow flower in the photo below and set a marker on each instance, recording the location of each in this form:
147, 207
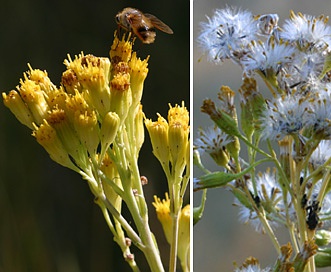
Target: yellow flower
87, 128
177, 146
139, 129
14, 102
178, 118
47, 137
179, 114
121, 97
158, 132
57, 98
58, 119
183, 251
121, 50
138, 73
41, 78
70, 82
29, 103
109, 128
33, 94
92, 73
163, 215
34, 97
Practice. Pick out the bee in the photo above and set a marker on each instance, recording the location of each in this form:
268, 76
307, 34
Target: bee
141, 24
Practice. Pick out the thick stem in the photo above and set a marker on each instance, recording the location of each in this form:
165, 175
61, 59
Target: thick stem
146, 243
141, 220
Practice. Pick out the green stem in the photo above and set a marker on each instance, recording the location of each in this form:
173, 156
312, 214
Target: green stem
145, 242
243, 138
264, 221
175, 208
129, 230
173, 246
129, 172
325, 183
251, 159
119, 237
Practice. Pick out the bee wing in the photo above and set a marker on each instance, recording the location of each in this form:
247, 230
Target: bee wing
157, 23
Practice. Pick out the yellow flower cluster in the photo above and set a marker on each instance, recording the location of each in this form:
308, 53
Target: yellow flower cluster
170, 139
78, 121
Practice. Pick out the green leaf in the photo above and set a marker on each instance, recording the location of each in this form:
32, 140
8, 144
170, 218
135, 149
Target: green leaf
215, 179
219, 179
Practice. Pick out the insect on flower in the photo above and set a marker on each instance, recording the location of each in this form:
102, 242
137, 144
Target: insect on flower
141, 24
312, 217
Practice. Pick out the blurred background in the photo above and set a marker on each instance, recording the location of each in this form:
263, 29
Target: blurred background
48, 220
219, 238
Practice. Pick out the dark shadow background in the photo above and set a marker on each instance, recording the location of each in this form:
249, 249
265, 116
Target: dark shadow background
48, 221
219, 238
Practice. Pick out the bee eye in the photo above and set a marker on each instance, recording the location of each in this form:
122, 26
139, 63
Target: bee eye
117, 18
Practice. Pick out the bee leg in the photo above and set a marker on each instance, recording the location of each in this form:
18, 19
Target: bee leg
118, 32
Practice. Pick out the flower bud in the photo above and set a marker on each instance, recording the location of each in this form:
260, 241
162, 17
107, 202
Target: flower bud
233, 148
178, 134
86, 126
139, 128
109, 128
177, 146
322, 237
224, 121
158, 132
183, 251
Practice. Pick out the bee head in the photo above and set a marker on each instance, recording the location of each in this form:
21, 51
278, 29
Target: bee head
122, 20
